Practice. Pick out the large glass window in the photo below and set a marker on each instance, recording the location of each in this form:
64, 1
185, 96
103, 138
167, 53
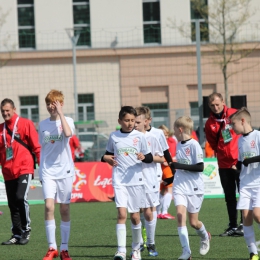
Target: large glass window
159, 114
81, 18
199, 12
151, 21
29, 108
86, 107
26, 27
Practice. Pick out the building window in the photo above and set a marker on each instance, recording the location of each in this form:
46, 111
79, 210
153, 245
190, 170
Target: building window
86, 107
26, 28
81, 18
29, 108
151, 21
159, 114
199, 12
194, 109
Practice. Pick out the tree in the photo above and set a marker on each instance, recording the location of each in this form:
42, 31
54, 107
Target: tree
223, 22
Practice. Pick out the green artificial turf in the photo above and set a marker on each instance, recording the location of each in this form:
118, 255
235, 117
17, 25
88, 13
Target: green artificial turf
93, 234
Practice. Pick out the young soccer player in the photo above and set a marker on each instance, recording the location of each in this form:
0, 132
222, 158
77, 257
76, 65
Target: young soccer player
56, 171
126, 150
248, 163
188, 189
151, 183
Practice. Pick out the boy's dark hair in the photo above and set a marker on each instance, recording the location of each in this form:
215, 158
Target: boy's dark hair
7, 101
126, 110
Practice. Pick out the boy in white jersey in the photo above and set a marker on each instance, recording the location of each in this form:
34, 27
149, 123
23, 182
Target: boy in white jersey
164, 199
188, 189
151, 182
248, 163
126, 151
56, 171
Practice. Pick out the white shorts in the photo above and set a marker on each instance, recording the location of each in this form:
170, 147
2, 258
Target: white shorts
152, 200
130, 197
193, 203
249, 198
59, 190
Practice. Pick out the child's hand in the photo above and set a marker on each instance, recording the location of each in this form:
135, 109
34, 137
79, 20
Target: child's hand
110, 159
140, 156
58, 106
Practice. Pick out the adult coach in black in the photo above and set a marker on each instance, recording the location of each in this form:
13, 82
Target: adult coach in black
224, 142
18, 143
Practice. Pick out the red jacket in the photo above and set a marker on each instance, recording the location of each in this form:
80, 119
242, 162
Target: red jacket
74, 143
22, 161
227, 154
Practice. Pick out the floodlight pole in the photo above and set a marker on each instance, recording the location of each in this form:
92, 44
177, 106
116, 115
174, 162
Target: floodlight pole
74, 41
200, 103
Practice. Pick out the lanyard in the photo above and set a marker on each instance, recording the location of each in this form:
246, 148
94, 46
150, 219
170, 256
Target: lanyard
12, 133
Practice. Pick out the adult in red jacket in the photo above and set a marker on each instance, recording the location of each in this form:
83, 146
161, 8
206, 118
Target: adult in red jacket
224, 142
17, 168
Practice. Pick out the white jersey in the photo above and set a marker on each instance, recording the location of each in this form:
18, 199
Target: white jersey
150, 169
249, 146
159, 134
56, 159
186, 182
124, 146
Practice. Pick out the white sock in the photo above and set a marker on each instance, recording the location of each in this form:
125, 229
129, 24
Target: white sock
155, 217
50, 228
159, 207
65, 235
202, 232
150, 231
121, 237
166, 203
249, 236
136, 236
184, 239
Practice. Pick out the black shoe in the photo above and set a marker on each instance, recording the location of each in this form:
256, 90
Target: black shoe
25, 238
240, 231
14, 240
229, 232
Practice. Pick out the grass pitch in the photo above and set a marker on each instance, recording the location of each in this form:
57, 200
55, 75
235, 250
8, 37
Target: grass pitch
93, 234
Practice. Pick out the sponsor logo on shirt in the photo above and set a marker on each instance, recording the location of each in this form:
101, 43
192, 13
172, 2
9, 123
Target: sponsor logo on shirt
248, 154
200, 156
252, 143
52, 138
126, 151
183, 161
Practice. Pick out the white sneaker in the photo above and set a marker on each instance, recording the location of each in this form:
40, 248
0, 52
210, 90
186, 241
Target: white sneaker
136, 255
120, 256
205, 245
185, 256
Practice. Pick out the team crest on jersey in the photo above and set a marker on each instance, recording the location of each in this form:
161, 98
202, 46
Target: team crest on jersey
52, 138
248, 154
149, 144
187, 151
126, 151
135, 141
252, 143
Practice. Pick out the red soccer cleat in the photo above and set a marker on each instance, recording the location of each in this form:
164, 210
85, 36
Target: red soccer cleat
159, 216
167, 216
52, 253
64, 255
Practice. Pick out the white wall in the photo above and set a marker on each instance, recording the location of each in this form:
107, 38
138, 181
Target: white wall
116, 18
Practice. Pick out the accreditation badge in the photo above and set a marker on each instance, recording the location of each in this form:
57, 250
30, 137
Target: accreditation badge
227, 137
9, 153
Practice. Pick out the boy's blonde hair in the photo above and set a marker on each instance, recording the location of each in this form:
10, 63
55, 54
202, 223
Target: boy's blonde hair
147, 113
54, 95
165, 128
186, 123
242, 113
141, 111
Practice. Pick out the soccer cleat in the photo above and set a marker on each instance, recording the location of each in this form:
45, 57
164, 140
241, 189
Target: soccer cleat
64, 255
205, 245
136, 255
14, 240
159, 216
228, 232
253, 257
120, 256
52, 253
144, 236
152, 250
167, 216
25, 238
185, 256
239, 231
